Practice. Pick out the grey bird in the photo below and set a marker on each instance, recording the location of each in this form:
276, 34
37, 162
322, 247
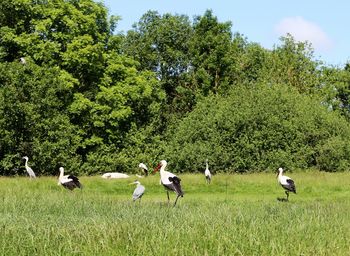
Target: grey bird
139, 191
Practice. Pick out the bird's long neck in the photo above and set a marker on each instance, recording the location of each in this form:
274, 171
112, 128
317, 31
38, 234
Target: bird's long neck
206, 164
61, 173
162, 170
280, 174
26, 163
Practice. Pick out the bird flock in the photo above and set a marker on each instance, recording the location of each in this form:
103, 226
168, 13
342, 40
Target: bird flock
168, 180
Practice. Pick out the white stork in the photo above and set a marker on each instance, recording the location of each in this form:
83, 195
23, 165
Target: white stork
207, 172
286, 183
22, 60
139, 191
144, 168
68, 181
169, 180
28, 169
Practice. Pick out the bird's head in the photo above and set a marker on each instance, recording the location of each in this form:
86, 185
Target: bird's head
143, 166
136, 182
161, 163
157, 168
25, 157
279, 171
22, 60
61, 171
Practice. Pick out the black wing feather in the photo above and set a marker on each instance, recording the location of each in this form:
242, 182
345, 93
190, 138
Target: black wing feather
75, 183
176, 185
291, 186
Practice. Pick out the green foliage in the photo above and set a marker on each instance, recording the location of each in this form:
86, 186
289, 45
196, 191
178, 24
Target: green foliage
255, 129
95, 101
34, 119
210, 46
164, 40
292, 64
336, 89
333, 154
77, 98
127, 101
161, 43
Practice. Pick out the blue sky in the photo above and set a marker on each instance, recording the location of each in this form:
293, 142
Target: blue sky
323, 23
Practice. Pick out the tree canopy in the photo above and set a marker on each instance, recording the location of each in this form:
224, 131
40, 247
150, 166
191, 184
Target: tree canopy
74, 93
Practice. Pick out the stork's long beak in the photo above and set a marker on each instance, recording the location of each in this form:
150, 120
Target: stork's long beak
157, 168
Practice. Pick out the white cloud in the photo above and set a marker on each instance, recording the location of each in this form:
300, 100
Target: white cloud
303, 30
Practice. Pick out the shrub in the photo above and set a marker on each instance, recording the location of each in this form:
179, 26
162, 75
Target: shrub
257, 128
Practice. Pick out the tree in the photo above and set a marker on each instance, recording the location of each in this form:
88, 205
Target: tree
251, 64
71, 34
161, 44
34, 120
209, 50
127, 101
82, 98
336, 88
292, 64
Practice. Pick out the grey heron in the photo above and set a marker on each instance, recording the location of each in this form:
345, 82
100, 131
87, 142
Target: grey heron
286, 183
68, 181
139, 191
169, 180
28, 169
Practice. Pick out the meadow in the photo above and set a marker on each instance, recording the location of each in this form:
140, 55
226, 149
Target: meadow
237, 214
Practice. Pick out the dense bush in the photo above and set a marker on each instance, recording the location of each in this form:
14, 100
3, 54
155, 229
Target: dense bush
259, 128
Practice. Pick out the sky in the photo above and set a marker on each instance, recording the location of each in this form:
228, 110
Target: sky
323, 23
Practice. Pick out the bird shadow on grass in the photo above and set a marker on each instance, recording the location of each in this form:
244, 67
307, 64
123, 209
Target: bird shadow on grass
282, 199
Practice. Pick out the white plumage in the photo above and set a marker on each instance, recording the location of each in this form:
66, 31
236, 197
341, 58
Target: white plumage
28, 169
286, 183
139, 191
207, 172
115, 175
68, 181
22, 60
144, 168
169, 180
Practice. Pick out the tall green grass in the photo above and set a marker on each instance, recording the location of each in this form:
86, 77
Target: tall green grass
235, 215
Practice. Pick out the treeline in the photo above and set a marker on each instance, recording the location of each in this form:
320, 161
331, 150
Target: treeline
91, 99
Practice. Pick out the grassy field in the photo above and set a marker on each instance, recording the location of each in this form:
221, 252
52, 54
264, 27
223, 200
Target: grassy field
235, 215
